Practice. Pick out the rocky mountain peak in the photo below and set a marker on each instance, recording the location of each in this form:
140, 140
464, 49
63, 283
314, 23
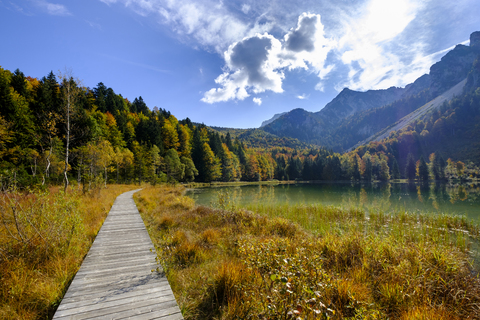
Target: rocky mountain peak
454, 66
475, 39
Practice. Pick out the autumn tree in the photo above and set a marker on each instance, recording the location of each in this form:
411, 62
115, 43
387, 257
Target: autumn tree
212, 164
252, 172
230, 164
170, 134
127, 164
422, 169
6, 134
184, 134
190, 171
113, 134
175, 169
141, 161
384, 170
106, 157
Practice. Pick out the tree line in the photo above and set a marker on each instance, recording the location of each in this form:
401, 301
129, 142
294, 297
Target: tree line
55, 130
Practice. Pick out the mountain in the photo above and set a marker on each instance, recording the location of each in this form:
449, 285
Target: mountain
353, 116
416, 115
349, 102
275, 117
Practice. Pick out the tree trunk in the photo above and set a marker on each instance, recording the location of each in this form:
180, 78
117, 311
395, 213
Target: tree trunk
79, 172
47, 169
106, 178
67, 139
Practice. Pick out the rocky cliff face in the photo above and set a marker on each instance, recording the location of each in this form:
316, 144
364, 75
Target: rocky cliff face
454, 66
473, 79
416, 87
475, 39
349, 102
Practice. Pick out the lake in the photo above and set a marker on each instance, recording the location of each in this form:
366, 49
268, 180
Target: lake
430, 197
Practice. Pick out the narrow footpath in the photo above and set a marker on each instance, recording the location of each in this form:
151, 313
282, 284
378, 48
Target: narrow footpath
119, 277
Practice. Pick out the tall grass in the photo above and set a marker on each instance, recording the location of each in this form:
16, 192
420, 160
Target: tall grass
312, 262
44, 237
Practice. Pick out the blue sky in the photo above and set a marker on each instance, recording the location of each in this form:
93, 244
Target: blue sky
233, 63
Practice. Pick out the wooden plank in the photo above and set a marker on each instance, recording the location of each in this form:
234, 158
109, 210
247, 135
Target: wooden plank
118, 285
100, 291
157, 311
119, 277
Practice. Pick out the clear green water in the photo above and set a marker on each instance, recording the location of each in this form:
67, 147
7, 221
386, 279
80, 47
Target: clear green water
439, 198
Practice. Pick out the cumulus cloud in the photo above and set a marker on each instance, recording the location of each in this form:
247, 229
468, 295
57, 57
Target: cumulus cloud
251, 64
303, 38
257, 101
256, 64
53, 8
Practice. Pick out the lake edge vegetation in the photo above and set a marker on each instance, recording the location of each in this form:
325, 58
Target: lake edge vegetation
232, 263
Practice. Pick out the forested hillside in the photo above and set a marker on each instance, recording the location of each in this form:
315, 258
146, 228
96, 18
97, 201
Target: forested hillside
53, 130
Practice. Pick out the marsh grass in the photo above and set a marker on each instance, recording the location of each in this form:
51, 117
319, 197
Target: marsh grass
44, 236
312, 262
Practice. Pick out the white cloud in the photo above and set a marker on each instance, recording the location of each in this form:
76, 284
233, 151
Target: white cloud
366, 46
53, 8
256, 64
302, 97
257, 101
251, 64
208, 23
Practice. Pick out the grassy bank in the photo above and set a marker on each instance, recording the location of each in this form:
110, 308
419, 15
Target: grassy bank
312, 262
44, 237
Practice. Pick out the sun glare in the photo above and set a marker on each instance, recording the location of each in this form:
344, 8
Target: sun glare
387, 19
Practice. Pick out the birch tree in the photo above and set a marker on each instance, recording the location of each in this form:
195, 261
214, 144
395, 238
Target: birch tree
70, 89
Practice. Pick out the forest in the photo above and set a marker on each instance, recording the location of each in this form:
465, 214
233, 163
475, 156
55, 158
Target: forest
54, 130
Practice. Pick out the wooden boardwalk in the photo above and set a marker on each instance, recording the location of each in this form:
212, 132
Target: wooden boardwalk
116, 280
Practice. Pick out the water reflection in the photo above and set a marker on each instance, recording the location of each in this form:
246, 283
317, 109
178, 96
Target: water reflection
432, 197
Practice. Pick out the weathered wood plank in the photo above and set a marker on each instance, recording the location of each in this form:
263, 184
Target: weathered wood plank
116, 285
116, 280
156, 311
